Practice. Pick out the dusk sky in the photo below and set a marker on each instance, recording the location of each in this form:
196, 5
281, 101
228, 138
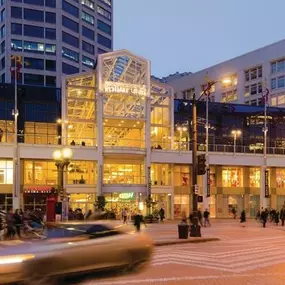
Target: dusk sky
190, 35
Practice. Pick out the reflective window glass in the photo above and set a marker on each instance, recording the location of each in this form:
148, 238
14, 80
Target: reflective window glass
50, 65
88, 3
103, 12
88, 33
88, 61
33, 79
69, 69
50, 81
87, 18
33, 47
50, 33
104, 27
35, 2
33, 31
50, 49
69, 39
16, 45
50, 17
34, 63
50, 3
16, 29
70, 8
68, 23
16, 12
104, 41
70, 54
33, 15
88, 47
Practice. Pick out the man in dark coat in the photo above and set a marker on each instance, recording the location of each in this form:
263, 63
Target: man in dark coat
138, 220
264, 217
242, 218
282, 215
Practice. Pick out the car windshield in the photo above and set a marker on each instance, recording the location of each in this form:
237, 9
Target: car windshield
74, 230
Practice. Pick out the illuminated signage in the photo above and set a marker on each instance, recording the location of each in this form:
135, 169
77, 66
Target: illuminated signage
125, 88
126, 196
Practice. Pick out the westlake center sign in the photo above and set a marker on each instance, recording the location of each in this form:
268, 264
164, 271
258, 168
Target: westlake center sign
124, 88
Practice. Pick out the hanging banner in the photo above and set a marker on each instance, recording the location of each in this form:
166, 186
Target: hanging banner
266, 190
208, 183
149, 180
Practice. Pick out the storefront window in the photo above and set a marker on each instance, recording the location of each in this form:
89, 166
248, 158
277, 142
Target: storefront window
160, 174
280, 178
124, 174
41, 133
82, 132
8, 131
85, 202
6, 172
254, 177
181, 175
232, 177
82, 172
40, 173
130, 201
181, 205
6, 201
212, 176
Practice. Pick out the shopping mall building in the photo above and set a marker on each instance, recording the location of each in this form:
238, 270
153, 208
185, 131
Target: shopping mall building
130, 138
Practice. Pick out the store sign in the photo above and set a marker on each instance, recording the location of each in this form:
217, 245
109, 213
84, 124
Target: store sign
125, 88
126, 196
208, 183
149, 180
266, 190
36, 189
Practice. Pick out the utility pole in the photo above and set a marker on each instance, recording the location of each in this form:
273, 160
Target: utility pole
195, 227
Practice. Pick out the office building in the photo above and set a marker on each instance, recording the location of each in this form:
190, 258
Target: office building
53, 38
246, 76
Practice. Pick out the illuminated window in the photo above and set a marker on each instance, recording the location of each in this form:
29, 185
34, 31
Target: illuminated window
41, 133
254, 177
232, 177
274, 101
160, 174
8, 131
124, 174
6, 172
40, 173
181, 175
246, 91
280, 178
82, 172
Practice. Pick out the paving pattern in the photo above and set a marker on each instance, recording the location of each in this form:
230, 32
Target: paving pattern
244, 256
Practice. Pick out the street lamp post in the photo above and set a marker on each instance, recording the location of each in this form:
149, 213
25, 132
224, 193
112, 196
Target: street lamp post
62, 160
235, 133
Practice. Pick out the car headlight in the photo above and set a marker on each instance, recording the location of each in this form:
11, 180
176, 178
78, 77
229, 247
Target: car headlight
12, 259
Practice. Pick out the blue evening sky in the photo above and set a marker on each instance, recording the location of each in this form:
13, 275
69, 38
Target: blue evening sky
189, 35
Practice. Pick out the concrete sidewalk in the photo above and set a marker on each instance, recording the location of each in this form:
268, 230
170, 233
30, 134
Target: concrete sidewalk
183, 241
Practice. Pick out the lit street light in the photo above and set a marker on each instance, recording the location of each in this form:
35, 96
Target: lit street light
236, 133
62, 160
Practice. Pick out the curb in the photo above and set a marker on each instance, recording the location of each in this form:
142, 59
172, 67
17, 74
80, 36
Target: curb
173, 242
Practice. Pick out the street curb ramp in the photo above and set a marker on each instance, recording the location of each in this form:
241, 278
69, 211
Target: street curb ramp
183, 241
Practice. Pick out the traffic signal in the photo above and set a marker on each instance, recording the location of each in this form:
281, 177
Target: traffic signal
201, 164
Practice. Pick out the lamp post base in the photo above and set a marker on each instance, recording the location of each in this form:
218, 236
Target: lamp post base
195, 231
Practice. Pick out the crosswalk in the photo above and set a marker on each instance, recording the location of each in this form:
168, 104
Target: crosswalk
245, 255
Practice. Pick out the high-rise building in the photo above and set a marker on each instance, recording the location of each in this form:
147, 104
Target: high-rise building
241, 79
53, 37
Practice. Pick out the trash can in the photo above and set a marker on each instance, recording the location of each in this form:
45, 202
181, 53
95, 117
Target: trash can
183, 231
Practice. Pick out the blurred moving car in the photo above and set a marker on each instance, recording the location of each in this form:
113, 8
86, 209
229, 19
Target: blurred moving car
75, 248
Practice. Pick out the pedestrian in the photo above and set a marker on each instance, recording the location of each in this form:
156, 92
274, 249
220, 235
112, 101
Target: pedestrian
18, 222
282, 215
264, 217
200, 218
10, 221
1, 134
88, 215
161, 215
124, 216
72, 142
257, 217
242, 218
234, 212
138, 220
207, 218
2, 223
276, 219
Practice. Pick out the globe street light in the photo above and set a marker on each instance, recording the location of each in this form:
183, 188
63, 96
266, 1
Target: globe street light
62, 159
235, 133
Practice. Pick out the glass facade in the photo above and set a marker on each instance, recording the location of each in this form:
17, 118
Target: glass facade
6, 172
82, 172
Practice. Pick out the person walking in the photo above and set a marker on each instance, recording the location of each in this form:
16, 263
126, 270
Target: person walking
161, 214
200, 218
2, 224
10, 224
18, 222
234, 212
282, 216
207, 218
1, 134
264, 217
242, 218
125, 216
276, 218
138, 220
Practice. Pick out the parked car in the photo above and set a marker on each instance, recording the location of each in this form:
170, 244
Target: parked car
74, 248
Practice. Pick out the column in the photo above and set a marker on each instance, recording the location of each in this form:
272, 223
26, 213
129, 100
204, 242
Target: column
148, 144
205, 198
100, 142
264, 202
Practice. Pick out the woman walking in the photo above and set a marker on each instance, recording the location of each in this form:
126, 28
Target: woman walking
242, 218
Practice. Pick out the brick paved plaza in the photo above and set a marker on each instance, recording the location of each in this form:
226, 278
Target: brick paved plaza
250, 255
